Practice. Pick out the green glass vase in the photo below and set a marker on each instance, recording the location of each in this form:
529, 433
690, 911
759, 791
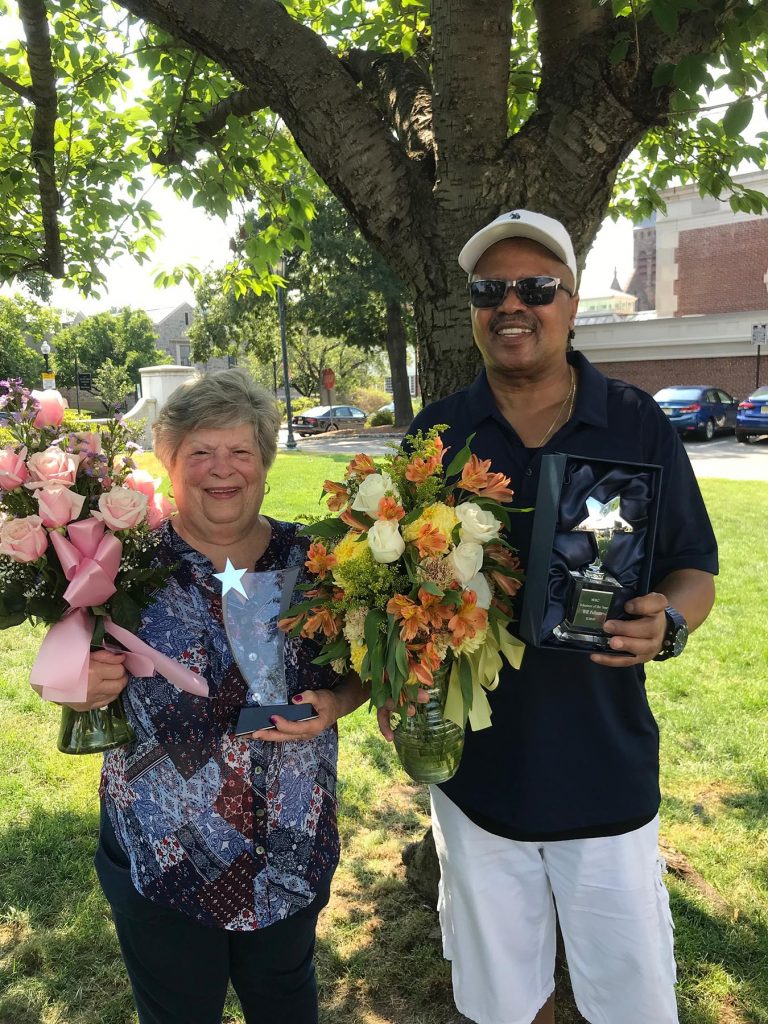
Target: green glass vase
91, 732
429, 746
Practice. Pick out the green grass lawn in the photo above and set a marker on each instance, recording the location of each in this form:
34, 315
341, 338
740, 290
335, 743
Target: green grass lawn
379, 958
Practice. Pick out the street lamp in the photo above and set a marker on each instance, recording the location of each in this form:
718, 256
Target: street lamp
45, 349
280, 270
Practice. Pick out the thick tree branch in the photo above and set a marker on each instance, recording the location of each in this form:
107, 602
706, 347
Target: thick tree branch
342, 134
237, 104
563, 24
470, 43
403, 92
35, 21
21, 90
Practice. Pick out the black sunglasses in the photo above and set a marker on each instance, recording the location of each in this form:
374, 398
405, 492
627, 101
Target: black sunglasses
532, 291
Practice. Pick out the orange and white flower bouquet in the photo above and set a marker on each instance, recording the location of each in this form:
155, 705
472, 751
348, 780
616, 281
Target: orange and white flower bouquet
413, 579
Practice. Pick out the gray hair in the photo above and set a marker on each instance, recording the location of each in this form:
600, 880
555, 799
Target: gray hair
224, 399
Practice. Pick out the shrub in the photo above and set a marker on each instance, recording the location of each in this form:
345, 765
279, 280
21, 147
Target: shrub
369, 399
381, 419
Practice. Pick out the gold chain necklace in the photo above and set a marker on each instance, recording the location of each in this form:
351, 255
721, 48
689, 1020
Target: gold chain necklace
568, 400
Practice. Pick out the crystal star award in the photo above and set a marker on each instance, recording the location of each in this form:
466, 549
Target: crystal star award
592, 588
252, 608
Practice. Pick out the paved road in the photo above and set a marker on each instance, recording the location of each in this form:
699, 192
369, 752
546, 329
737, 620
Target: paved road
724, 457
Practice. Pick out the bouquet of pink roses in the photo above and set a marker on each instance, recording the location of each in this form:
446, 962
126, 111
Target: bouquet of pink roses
76, 553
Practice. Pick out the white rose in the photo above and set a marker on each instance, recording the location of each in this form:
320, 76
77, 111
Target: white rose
478, 526
479, 584
385, 541
465, 561
372, 490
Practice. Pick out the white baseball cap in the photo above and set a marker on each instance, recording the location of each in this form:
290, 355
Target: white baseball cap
521, 224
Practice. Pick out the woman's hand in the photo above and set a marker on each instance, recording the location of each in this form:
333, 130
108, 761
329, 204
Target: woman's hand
327, 705
106, 679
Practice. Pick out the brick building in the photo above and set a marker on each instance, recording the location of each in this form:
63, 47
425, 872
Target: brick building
700, 282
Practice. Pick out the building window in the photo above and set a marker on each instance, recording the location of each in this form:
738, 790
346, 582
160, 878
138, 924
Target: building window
231, 361
186, 319
184, 355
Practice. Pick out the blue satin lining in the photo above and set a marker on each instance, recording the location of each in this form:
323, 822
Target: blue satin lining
627, 554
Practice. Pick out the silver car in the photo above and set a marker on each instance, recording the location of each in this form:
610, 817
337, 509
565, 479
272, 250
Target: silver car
327, 417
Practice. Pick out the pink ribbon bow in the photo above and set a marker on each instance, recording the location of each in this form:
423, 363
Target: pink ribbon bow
90, 558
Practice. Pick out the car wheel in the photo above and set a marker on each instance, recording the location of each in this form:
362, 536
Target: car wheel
332, 426
708, 430
742, 438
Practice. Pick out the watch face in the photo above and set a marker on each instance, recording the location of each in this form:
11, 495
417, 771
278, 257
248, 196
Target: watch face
679, 640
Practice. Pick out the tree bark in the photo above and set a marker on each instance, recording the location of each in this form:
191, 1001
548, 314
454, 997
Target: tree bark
397, 352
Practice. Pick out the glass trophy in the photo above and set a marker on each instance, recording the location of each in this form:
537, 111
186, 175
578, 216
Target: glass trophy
252, 608
592, 588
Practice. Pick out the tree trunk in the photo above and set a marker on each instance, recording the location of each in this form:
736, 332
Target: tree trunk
397, 352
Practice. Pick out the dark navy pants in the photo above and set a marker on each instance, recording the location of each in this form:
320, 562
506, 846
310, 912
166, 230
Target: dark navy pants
179, 969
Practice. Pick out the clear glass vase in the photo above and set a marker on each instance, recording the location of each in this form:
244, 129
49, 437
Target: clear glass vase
428, 745
90, 732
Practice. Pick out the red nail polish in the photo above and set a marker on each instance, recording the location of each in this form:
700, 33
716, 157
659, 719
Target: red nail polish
273, 720
298, 699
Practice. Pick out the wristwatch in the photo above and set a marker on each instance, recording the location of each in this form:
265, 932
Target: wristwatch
675, 637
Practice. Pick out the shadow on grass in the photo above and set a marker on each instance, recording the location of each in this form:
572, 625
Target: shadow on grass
59, 958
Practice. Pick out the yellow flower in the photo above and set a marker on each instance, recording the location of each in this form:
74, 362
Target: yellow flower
438, 515
356, 654
471, 644
349, 547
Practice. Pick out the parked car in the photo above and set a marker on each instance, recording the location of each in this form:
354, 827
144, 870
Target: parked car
389, 407
752, 415
327, 417
698, 409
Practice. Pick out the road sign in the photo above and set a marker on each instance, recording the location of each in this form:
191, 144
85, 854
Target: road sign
759, 333
49, 381
328, 379
85, 381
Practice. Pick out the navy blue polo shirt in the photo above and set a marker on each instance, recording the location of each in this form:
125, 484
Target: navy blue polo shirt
574, 749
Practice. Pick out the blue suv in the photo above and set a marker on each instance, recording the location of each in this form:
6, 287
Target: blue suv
698, 409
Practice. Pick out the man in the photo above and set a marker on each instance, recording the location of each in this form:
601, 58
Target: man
559, 799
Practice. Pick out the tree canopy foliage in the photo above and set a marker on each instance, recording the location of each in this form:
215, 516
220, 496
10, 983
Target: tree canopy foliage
24, 324
424, 119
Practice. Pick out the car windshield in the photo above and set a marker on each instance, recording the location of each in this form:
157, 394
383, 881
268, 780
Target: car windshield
760, 393
320, 410
677, 394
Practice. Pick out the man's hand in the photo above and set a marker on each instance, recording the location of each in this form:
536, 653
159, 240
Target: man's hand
384, 714
106, 679
641, 638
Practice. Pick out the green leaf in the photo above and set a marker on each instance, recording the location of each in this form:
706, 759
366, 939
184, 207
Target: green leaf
619, 50
737, 118
333, 529
374, 641
460, 459
330, 652
666, 16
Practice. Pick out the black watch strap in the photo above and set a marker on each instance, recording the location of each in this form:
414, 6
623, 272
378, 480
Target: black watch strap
675, 637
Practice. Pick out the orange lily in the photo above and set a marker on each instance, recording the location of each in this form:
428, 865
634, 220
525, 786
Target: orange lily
354, 524
435, 611
423, 661
322, 620
320, 562
468, 620
389, 508
338, 495
475, 477
410, 614
431, 541
361, 466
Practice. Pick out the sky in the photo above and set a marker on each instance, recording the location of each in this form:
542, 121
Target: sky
193, 237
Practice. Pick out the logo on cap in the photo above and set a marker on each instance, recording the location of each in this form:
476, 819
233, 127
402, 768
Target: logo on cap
514, 216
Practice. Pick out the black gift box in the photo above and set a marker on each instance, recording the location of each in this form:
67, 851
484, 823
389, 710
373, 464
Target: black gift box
565, 483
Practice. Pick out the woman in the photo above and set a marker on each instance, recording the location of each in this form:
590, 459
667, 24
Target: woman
216, 852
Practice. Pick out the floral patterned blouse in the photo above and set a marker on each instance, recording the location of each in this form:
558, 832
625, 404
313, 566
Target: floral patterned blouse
234, 833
